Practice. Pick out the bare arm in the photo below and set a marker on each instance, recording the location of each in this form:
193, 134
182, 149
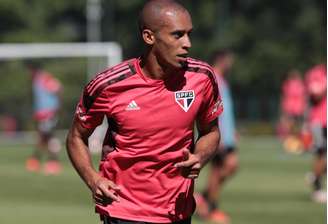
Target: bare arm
103, 190
205, 148
207, 144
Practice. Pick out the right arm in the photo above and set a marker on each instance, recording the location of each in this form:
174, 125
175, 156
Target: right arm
103, 190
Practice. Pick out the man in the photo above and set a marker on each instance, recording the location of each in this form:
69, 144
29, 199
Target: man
46, 91
293, 96
316, 83
149, 160
293, 104
225, 162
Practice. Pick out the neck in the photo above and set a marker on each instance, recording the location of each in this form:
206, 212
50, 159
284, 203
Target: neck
151, 68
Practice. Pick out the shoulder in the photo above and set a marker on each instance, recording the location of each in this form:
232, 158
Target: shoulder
203, 71
200, 67
110, 76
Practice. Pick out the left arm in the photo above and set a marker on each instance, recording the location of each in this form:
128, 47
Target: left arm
205, 148
207, 124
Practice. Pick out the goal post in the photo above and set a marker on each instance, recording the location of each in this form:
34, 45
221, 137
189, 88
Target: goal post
111, 50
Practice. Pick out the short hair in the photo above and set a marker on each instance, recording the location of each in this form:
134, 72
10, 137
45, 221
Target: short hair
157, 5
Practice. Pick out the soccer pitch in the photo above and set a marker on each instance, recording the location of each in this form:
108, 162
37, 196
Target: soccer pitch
268, 189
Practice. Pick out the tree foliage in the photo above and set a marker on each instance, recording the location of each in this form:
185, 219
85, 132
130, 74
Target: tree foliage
268, 38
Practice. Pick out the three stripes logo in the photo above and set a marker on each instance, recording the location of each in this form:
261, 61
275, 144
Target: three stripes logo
185, 99
132, 106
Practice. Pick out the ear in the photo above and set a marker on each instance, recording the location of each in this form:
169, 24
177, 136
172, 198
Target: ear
148, 36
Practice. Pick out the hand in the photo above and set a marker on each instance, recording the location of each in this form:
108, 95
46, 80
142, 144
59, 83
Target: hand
104, 192
190, 165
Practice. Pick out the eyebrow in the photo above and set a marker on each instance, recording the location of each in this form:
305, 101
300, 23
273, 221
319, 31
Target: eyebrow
182, 31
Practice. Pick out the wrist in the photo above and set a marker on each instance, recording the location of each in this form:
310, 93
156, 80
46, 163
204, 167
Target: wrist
92, 180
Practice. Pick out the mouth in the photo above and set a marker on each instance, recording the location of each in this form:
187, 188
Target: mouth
182, 56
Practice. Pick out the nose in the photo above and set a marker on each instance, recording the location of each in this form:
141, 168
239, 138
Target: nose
186, 42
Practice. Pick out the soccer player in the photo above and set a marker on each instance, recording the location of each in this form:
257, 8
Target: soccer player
149, 159
46, 96
293, 104
225, 162
316, 82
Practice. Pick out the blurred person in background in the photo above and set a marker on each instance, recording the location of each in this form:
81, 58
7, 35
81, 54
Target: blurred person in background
293, 104
46, 103
149, 159
225, 162
8, 125
316, 83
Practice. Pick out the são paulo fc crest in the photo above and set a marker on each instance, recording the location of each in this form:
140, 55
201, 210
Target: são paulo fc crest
185, 99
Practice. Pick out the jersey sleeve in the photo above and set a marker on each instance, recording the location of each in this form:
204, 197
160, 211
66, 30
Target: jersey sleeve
212, 105
91, 109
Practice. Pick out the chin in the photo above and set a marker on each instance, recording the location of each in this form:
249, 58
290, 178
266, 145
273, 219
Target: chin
183, 64
178, 65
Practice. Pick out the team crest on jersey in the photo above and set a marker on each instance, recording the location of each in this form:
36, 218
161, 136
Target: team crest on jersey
185, 99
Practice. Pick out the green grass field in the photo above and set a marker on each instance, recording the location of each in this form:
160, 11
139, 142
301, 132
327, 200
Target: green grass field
268, 189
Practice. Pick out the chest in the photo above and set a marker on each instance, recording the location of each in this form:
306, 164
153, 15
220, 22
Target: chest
152, 108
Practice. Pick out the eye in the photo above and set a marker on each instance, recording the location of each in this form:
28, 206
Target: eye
177, 34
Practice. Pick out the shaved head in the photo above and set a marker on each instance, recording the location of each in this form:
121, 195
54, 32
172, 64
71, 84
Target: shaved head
154, 11
165, 27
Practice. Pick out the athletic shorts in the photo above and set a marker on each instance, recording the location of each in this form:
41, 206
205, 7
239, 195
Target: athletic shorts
221, 155
47, 126
111, 220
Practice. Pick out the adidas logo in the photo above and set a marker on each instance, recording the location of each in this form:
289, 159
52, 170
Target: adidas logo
132, 106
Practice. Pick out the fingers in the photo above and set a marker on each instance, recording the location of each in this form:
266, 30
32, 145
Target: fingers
185, 154
192, 161
107, 199
113, 186
105, 192
190, 173
187, 163
100, 199
194, 176
110, 194
186, 159
190, 166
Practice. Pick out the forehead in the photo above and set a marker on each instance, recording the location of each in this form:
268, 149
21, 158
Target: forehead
176, 20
